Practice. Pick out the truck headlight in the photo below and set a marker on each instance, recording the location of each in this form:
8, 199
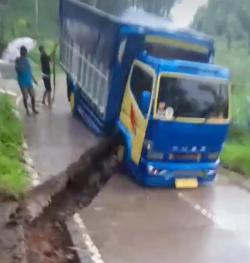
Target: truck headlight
152, 170
213, 156
211, 172
151, 154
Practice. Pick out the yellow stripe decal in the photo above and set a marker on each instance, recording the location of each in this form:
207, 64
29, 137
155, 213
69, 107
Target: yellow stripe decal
177, 44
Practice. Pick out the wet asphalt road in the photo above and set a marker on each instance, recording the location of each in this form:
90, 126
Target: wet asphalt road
55, 138
130, 224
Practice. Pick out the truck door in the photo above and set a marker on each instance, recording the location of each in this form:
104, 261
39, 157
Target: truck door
137, 104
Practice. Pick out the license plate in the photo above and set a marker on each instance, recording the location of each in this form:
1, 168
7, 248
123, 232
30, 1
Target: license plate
186, 183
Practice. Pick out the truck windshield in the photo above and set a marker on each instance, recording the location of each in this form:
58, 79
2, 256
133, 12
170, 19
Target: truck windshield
194, 98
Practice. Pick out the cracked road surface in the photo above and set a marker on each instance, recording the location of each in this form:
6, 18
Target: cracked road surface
128, 223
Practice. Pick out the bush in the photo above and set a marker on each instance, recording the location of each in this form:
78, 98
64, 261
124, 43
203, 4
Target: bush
238, 134
237, 157
13, 177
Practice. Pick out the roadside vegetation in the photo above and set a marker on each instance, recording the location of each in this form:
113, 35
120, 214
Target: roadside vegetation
229, 22
236, 155
13, 177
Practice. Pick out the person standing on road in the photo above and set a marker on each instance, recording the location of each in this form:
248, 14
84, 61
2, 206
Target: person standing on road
25, 79
46, 73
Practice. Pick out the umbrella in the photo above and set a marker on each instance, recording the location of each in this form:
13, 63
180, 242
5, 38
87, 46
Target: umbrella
12, 52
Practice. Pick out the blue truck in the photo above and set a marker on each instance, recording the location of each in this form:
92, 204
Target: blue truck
155, 85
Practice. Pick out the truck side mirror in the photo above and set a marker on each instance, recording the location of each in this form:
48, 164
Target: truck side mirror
145, 101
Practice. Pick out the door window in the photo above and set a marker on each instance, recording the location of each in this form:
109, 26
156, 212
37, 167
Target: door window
141, 86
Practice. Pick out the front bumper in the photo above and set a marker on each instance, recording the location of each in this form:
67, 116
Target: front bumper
159, 174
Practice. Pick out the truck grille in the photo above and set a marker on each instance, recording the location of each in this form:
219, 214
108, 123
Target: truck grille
185, 157
184, 174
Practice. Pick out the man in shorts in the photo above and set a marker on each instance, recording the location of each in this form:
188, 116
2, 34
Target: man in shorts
46, 75
25, 79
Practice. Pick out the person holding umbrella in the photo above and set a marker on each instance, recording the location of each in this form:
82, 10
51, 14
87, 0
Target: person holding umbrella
25, 79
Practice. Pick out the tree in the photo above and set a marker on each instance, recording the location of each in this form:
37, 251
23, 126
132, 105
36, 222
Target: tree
37, 17
158, 7
3, 4
244, 18
20, 28
198, 21
226, 18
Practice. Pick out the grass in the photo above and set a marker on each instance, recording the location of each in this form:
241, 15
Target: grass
13, 177
236, 155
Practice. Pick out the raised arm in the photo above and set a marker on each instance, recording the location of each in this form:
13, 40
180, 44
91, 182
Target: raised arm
52, 54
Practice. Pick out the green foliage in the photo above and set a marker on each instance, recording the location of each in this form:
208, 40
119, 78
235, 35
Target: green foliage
227, 18
3, 45
238, 61
20, 20
238, 135
13, 177
237, 157
21, 28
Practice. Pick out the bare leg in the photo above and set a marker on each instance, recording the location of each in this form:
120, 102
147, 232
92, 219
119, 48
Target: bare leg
49, 99
33, 100
25, 100
44, 97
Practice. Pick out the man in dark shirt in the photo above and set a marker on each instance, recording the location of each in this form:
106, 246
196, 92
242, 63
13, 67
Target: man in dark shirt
46, 74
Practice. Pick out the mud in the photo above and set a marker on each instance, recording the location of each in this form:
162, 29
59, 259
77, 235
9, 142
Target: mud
48, 241
11, 238
46, 236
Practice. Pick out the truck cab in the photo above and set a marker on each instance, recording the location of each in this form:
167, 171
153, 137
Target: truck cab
174, 119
